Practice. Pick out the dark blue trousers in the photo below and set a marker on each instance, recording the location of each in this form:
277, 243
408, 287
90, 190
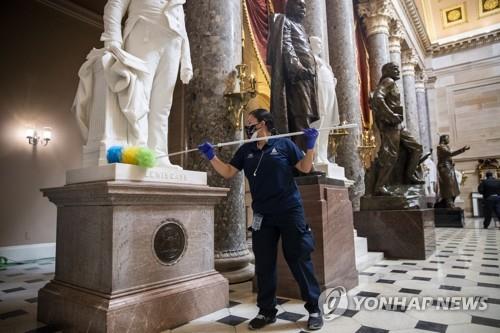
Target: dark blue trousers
298, 243
491, 204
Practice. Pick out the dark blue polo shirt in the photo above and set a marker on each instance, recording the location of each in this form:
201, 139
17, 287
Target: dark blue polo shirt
271, 182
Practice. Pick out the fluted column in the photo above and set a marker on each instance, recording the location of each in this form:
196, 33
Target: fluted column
341, 37
214, 29
423, 113
376, 16
409, 62
396, 35
315, 23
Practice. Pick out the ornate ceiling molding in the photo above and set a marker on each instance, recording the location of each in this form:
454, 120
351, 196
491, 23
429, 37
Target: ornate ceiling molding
466, 43
418, 24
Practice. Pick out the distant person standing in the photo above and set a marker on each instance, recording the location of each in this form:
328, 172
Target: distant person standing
490, 189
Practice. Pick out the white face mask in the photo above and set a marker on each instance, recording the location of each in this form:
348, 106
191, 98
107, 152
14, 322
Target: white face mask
255, 134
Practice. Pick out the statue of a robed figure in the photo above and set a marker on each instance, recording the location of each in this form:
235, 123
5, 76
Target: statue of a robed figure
448, 184
400, 153
126, 89
294, 102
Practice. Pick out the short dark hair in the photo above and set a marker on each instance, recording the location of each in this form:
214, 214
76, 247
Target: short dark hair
489, 174
265, 115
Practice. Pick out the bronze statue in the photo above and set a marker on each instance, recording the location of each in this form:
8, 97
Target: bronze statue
448, 184
293, 86
399, 153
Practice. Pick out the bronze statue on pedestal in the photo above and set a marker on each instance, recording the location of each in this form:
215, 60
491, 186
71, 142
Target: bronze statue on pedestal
448, 184
399, 153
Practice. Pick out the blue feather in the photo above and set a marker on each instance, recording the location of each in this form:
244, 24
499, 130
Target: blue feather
115, 154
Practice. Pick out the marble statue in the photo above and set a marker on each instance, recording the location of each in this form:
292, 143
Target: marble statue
399, 152
327, 101
294, 102
430, 176
448, 183
139, 67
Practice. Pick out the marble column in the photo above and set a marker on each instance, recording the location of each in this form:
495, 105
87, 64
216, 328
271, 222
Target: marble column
396, 36
315, 23
409, 61
430, 86
341, 37
376, 15
214, 29
423, 113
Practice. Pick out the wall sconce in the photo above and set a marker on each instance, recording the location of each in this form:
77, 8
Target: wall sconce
34, 138
240, 89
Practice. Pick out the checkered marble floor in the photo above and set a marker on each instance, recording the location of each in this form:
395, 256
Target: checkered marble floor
466, 263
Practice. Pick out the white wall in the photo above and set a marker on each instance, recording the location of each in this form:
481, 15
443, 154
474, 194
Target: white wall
466, 105
42, 50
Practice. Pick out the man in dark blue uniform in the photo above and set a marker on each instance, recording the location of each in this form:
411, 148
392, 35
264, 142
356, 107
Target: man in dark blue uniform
278, 211
490, 189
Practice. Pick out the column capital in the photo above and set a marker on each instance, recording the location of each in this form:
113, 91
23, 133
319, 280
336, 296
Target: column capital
376, 15
409, 61
396, 35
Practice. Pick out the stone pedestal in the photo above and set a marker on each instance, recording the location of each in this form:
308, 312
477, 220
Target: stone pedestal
400, 234
329, 214
132, 257
334, 171
449, 217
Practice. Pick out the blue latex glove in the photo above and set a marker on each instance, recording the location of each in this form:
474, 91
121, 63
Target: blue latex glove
310, 134
207, 149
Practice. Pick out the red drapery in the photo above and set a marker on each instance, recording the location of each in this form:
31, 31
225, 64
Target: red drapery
364, 76
279, 5
258, 13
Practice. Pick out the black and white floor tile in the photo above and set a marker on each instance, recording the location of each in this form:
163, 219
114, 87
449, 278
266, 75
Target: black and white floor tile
466, 263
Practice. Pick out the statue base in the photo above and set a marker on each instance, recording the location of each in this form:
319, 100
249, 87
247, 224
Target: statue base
329, 214
128, 172
129, 255
449, 217
406, 197
333, 171
400, 234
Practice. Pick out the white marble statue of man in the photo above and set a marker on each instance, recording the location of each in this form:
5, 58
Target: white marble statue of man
430, 176
327, 100
154, 32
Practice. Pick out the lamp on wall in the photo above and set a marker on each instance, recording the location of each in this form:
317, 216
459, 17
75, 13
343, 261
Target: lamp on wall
34, 138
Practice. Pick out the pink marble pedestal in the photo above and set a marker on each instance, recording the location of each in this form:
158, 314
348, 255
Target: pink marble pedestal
329, 213
132, 257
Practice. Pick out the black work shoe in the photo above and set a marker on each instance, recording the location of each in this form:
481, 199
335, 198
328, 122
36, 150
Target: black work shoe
315, 322
260, 321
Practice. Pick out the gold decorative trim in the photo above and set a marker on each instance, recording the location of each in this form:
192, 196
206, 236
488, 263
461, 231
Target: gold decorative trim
454, 15
488, 7
271, 6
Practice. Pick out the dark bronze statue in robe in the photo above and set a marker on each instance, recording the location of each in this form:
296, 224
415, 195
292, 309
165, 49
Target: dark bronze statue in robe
294, 102
385, 103
448, 185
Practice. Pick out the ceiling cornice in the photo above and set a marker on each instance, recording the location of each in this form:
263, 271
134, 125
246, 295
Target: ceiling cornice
466, 43
417, 22
71, 9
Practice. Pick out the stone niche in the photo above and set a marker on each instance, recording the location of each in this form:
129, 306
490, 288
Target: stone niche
132, 257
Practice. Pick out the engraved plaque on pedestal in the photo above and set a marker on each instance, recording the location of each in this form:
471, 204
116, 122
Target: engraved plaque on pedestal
169, 242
